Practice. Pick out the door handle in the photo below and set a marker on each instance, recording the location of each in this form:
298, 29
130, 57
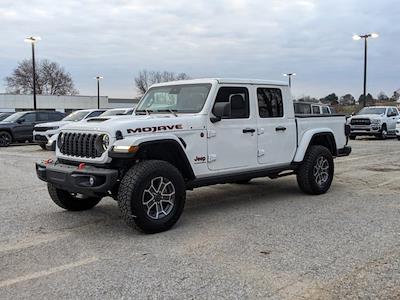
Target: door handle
280, 128
249, 130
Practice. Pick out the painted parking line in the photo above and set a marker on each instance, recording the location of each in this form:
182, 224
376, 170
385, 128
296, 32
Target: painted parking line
33, 241
44, 273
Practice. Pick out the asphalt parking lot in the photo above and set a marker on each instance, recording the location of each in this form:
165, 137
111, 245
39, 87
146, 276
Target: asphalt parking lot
262, 240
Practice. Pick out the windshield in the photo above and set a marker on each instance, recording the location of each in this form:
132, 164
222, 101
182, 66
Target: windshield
186, 98
116, 112
76, 116
372, 111
14, 117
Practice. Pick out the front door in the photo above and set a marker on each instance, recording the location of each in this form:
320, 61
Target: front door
232, 142
24, 128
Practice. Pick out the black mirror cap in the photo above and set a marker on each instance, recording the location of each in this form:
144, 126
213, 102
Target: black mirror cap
20, 121
220, 110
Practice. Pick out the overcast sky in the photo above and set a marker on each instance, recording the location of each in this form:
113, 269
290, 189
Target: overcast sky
230, 38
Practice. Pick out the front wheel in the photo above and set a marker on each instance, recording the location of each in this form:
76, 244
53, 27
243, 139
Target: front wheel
70, 201
315, 174
152, 196
5, 139
383, 133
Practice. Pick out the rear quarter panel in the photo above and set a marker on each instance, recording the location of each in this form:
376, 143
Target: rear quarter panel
309, 126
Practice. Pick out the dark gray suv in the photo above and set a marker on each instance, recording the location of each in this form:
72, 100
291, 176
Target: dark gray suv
19, 126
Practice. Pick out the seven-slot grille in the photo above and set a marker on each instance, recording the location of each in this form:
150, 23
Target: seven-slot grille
360, 121
81, 144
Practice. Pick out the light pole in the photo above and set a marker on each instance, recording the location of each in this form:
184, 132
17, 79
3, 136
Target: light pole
32, 40
357, 37
290, 77
98, 90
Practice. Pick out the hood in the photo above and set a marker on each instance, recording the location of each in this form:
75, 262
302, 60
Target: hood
368, 116
53, 124
131, 124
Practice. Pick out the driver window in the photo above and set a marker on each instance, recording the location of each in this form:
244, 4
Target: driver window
29, 118
238, 97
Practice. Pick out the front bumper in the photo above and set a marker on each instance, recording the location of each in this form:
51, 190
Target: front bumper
87, 181
372, 129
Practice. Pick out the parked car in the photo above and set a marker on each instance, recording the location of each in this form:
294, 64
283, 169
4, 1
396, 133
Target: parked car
4, 115
378, 121
19, 126
43, 132
188, 134
118, 112
311, 108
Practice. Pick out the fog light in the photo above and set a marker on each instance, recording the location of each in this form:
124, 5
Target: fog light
91, 181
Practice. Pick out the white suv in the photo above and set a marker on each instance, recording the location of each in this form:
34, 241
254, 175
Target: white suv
44, 134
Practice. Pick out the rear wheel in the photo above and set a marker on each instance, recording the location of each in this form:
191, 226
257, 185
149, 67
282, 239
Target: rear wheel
70, 201
5, 139
152, 196
315, 174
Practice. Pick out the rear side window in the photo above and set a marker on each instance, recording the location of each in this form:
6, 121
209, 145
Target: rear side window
270, 103
325, 110
43, 117
239, 100
55, 116
315, 110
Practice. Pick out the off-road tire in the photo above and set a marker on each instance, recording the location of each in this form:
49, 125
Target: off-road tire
68, 201
133, 188
5, 139
305, 173
383, 133
352, 137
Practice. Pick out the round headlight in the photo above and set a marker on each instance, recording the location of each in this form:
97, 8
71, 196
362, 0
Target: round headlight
105, 141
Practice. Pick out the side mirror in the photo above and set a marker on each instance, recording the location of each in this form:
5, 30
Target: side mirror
20, 121
220, 110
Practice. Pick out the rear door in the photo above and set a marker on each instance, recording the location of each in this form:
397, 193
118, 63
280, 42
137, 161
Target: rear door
276, 127
232, 142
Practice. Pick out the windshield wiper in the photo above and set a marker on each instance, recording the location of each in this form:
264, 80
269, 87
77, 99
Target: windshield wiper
172, 111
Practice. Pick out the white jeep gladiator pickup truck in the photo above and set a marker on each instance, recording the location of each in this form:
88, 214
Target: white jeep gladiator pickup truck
188, 134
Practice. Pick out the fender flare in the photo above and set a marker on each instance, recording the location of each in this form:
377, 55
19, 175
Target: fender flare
307, 138
144, 142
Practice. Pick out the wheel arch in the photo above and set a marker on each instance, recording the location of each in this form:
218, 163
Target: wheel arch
324, 138
168, 150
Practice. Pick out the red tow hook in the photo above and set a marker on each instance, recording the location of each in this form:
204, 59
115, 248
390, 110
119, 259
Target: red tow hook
81, 166
48, 161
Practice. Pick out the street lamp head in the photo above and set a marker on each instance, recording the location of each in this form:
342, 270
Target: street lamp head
32, 39
98, 77
356, 37
374, 35
289, 74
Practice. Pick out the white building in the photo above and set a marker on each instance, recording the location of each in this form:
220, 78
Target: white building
12, 102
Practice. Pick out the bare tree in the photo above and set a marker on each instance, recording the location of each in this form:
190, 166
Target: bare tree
146, 78
51, 79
